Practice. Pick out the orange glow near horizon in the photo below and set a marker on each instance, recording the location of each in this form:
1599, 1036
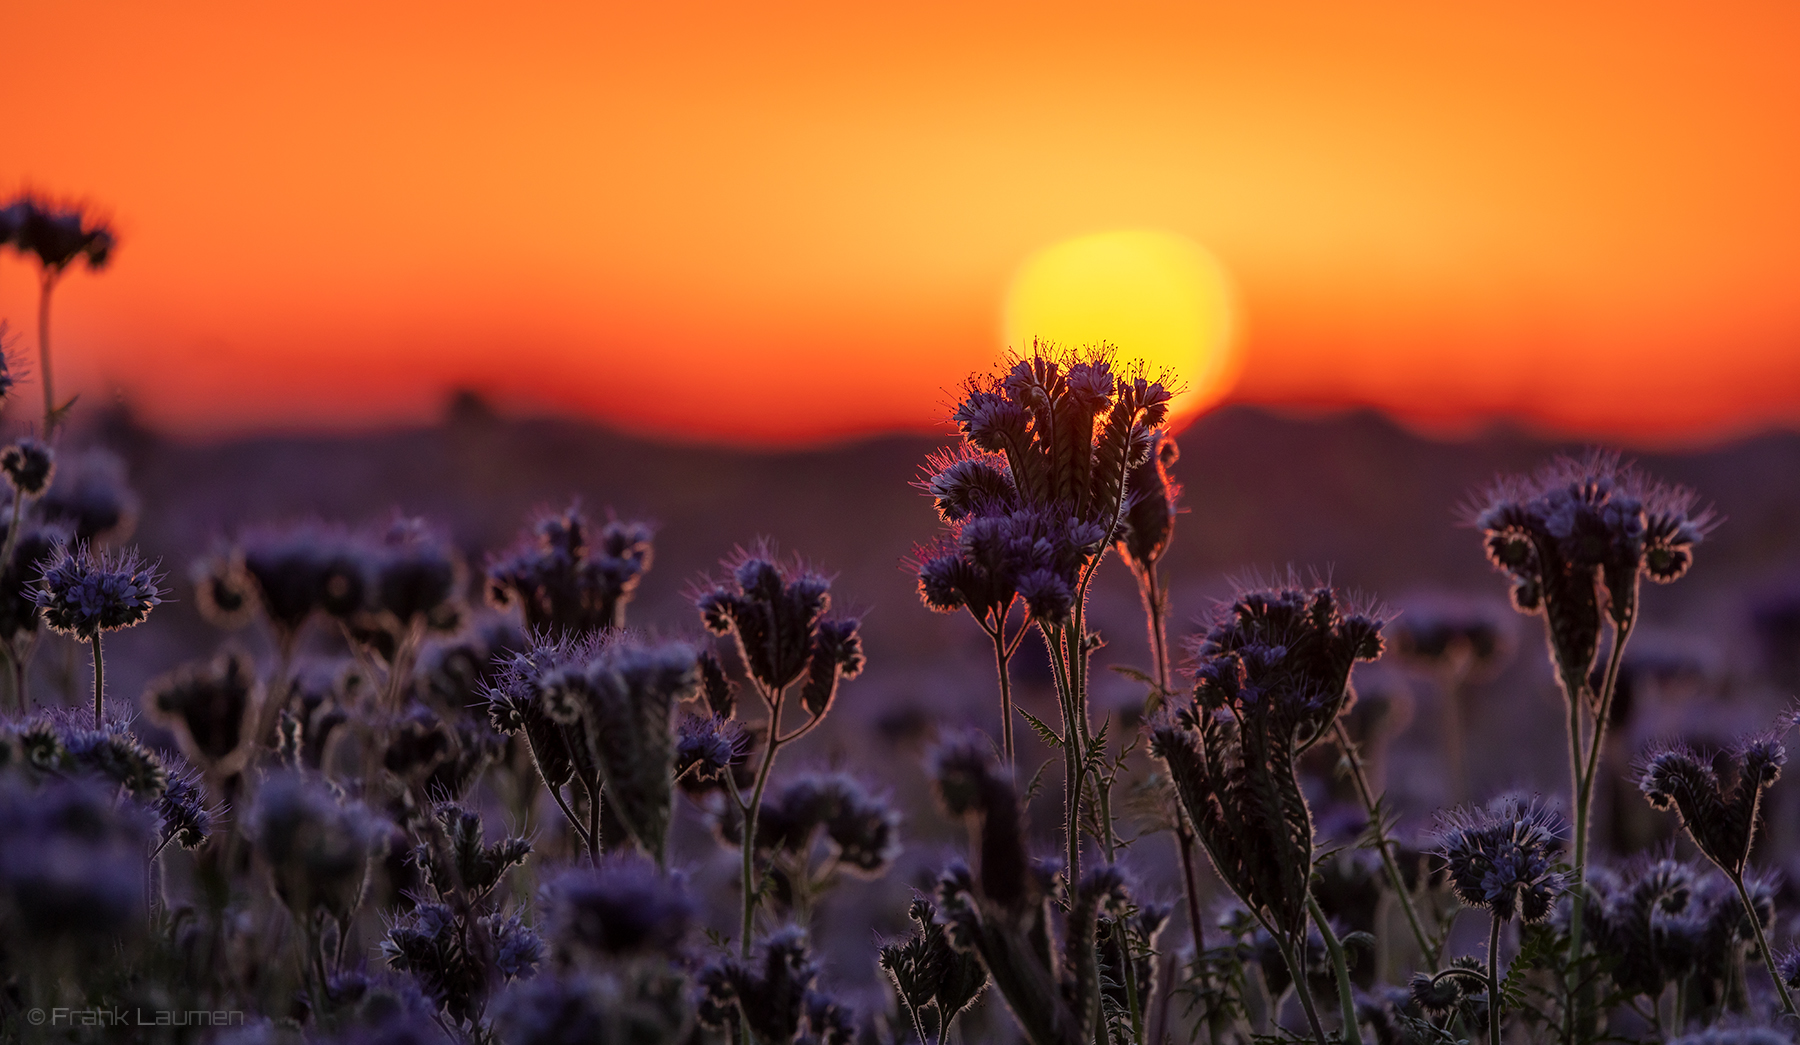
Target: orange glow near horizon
795, 221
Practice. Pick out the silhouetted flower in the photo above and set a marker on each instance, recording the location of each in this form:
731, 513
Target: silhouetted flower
1272, 675
565, 581
28, 465
862, 830
1503, 858
1575, 537
1152, 503
417, 574
210, 707
769, 991
434, 946
83, 593
60, 235
776, 611
927, 970
624, 695
1719, 799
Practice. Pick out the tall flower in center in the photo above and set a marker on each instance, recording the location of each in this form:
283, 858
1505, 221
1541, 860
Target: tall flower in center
1032, 498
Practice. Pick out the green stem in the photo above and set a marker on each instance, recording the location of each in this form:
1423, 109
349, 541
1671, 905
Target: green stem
1002, 668
1383, 844
1762, 944
1496, 1004
1129, 970
99, 683
748, 813
1341, 966
1297, 970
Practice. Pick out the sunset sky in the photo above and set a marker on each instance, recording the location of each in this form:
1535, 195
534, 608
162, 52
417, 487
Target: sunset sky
778, 222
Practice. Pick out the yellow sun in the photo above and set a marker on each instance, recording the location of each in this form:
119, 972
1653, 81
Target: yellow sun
1156, 296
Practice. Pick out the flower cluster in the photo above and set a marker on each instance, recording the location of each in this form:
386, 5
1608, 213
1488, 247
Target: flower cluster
567, 582
777, 613
1719, 799
1576, 536
1271, 677
83, 593
1503, 858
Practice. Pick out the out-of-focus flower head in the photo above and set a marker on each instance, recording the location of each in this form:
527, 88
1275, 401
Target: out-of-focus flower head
862, 830
306, 568
89, 492
38, 541
59, 234
1576, 536
1719, 799
224, 591
575, 1007
71, 865
623, 909
776, 609
1503, 857
568, 580
1470, 638
417, 576
29, 465
211, 707
316, 848
83, 593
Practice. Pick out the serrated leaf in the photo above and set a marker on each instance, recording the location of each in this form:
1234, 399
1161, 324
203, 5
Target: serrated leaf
1044, 732
1037, 782
1134, 674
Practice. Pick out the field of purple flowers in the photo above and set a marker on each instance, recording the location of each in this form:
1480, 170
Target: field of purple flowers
488, 775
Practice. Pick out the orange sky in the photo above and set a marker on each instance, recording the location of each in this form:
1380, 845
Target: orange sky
774, 222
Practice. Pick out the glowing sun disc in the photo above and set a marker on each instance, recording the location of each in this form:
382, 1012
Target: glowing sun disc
1155, 295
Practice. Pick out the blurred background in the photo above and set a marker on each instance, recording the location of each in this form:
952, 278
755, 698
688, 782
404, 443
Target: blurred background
723, 267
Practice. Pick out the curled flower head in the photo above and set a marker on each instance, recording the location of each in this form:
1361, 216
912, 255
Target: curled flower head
416, 574
28, 465
112, 753
1719, 798
708, 748
568, 578
182, 810
776, 610
1576, 536
83, 593
1503, 857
